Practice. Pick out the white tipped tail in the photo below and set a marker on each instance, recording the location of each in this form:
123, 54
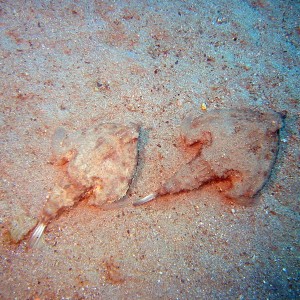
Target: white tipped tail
145, 199
36, 235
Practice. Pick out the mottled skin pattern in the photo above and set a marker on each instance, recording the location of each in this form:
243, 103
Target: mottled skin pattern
105, 163
99, 164
236, 146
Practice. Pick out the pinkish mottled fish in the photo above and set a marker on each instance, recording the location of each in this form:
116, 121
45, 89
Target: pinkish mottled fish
238, 146
99, 164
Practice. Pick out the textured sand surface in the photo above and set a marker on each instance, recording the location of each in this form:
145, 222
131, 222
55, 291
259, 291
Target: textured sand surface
76, 63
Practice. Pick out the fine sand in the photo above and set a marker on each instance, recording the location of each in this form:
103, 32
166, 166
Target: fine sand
77, 63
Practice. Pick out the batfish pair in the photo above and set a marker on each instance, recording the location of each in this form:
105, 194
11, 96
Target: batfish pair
237, 146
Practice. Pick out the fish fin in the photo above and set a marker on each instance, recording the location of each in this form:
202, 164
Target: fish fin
36, 235
146, 199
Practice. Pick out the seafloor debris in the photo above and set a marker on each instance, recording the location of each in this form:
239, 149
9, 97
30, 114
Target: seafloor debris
99, 164
236, 146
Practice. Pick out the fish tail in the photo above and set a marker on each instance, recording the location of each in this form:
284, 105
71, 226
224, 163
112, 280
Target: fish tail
146, 199
36, 235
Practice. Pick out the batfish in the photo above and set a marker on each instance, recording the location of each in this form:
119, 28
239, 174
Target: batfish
98, 165
238, 146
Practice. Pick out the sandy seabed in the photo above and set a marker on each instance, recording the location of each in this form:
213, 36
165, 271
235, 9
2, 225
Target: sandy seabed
76, 63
